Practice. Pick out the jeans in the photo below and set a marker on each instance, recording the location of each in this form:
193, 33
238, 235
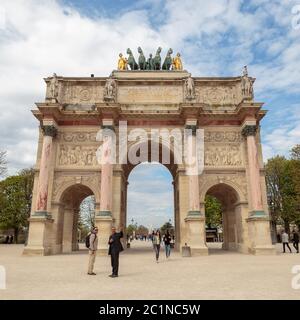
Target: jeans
286, 244
296, 246
157, 249
168, 250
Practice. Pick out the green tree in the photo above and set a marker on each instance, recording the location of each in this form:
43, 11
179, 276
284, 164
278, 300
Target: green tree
142, 230
282, 177
131, 229
14, 210
86, 215
213, 212
28, 180
295, 152
167, 226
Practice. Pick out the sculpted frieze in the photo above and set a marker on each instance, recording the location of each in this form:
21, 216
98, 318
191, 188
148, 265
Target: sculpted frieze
217, 95
77, 136
218, 155
77, 155
222, 136
74, 93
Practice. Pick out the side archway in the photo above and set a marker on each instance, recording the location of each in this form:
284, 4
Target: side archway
68, 215
232, 203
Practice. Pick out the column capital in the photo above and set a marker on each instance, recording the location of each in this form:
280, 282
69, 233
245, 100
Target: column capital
249, 130
49, 130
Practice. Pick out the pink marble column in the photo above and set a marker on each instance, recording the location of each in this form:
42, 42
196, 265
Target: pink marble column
192, 172
106, 176
42, 191
249, 132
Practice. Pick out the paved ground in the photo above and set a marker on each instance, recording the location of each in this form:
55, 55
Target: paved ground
221, 275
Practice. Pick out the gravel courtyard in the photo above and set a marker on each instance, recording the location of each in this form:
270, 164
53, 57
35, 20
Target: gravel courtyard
221, 275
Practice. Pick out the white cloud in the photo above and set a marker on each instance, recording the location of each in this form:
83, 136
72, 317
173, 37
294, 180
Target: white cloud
215, 38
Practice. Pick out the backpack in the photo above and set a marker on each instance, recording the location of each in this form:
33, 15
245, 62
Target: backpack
87, 240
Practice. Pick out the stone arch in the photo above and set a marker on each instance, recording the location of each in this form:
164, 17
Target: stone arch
67, 185
213, 182
232, 200
68, 210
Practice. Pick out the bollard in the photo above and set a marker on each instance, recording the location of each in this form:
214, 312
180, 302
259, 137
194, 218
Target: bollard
186, 251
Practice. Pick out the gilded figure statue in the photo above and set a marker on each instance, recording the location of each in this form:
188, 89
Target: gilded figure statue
122, 63
177, 64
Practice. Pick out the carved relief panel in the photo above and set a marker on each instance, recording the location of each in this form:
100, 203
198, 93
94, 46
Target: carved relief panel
77, 149
218, 95
222, 148
74, 93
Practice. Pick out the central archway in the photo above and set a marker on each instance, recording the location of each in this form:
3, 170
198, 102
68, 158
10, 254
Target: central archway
146, 152
150, 200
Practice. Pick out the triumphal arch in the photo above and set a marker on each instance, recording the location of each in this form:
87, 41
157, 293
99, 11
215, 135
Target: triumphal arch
80, 114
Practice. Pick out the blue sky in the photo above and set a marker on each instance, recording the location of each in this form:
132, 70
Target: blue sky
215, 38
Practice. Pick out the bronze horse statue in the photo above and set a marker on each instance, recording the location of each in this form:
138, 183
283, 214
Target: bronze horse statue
131, 61
142, 59
157, 59
168, 60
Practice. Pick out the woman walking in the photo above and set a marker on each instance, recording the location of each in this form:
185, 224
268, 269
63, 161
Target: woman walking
167, 241
156, 244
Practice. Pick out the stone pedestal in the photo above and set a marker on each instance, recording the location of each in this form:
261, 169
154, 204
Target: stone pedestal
104, 224
195, 225
37, 241
260, 237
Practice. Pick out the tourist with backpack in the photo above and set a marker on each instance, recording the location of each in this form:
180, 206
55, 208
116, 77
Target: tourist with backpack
91, 243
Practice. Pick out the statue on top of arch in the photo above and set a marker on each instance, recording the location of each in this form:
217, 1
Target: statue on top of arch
246, 85
174, 64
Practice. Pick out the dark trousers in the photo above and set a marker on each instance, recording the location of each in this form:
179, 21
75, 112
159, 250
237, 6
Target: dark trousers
115, 263
286, 244
296, 246
157, 249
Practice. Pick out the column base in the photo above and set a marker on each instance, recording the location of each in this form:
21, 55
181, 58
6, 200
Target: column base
260, 235
37, 240
195, 224
263, 250
104, 224
199, 251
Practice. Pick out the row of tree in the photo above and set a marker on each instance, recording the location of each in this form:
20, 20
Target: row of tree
283, 189
15, 198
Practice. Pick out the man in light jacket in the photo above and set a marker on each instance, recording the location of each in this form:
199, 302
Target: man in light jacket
93, 250
285, 241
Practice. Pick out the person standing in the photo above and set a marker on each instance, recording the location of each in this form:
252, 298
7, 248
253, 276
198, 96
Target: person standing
167, 241
115, 247
7, 239
11, 238
156, 244
285, 241
93, 246
296, 240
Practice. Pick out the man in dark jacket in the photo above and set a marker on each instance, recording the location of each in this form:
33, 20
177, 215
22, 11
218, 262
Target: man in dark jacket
296, 240
115, 247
